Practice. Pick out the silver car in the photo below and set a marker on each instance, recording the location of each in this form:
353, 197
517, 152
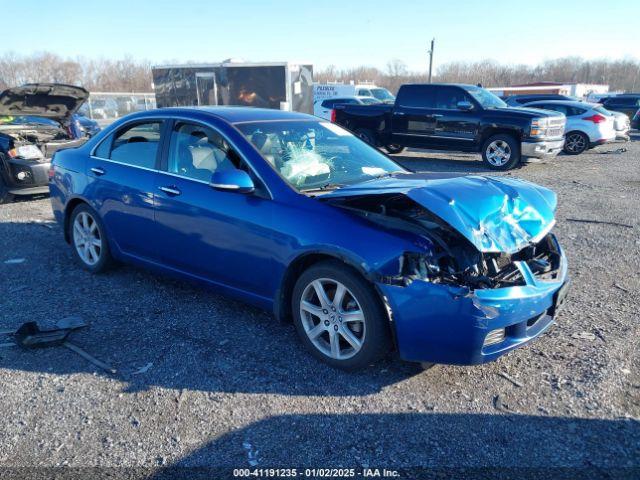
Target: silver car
588, 124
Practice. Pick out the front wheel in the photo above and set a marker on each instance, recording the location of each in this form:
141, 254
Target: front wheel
338, 316
394, 148
5, 196
575, 143
501, 152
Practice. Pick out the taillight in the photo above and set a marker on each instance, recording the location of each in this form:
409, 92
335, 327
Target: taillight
333, 116
52, 172
597, 118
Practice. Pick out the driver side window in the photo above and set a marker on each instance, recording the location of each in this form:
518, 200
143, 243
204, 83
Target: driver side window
197, 151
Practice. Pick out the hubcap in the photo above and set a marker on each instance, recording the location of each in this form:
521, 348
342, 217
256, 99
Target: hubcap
86, 238
498, 153
576, 143
332, 318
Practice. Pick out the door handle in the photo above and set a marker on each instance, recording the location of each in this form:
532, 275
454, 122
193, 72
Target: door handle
399, 113
173, 191
98, 171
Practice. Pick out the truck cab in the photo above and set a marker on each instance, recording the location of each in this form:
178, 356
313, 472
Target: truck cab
457, 117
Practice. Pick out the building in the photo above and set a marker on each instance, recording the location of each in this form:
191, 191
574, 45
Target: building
580, 90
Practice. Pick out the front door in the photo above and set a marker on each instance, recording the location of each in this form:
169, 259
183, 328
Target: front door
455, 127
210, 234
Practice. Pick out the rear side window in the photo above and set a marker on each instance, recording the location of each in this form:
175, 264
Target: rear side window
419, 96
104, 148
137, 145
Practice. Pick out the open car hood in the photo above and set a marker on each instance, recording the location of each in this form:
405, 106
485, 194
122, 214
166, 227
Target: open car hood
50, 100
495, 214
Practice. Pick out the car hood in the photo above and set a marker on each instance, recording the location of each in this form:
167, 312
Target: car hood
533, 112
495, 214
50, 100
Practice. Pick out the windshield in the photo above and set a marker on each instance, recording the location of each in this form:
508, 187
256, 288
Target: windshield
485, 97
382, 94
317, 155
28, 120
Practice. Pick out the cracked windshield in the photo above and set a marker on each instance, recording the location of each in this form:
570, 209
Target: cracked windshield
317, 155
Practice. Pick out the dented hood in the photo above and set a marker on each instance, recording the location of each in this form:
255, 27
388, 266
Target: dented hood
496, 214
50, 100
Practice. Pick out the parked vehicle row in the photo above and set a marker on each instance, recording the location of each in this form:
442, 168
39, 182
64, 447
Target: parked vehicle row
457, 117
271, 207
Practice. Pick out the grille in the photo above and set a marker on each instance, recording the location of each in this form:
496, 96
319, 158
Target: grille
555, 132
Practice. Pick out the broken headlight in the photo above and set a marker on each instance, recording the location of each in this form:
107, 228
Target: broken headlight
27, 152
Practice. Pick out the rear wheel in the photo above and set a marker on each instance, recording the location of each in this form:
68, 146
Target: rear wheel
575, 143
5, 196
501, 152
366, 135
394, 148
89, 240
338, 316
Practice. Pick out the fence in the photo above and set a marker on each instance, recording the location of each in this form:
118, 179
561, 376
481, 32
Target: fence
105, 107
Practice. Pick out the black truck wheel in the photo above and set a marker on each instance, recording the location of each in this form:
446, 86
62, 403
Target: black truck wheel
366, 135
394, 148
501, 152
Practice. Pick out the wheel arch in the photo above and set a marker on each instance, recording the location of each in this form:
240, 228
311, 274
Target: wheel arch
68, 210
492, 131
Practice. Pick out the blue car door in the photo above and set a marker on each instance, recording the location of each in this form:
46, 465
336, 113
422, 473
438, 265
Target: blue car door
121, 175
214, 235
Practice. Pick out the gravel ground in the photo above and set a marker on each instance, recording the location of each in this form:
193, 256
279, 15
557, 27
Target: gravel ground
203, 381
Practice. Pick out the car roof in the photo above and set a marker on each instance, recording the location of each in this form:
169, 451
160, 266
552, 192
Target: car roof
571, 103
233, 114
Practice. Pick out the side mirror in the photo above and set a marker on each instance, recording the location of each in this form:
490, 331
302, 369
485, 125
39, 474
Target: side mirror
233, 180
464, 105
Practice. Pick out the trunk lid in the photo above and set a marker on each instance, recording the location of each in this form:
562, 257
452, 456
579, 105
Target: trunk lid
49, 100
494, 214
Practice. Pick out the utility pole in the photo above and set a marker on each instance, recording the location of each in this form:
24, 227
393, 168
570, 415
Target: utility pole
433, 41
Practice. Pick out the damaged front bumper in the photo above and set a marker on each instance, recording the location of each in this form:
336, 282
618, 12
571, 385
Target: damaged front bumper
26, 177
442, 323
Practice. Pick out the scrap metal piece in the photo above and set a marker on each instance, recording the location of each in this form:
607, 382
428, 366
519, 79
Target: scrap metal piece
91, 359
30, 335
600, 222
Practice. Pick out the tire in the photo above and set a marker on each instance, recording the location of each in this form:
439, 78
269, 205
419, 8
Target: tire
85, 226
575, 143
320, 331
501, 152
366, 135
5, 196
393, 149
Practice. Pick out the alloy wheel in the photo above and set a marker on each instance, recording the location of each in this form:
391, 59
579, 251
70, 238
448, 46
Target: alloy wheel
86, 238
498, 153
576, 143
332, 318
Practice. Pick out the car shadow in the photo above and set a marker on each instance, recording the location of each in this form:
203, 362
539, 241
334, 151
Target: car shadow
426, 445
157, 331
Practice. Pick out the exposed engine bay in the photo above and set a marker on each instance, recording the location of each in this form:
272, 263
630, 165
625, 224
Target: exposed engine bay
445, 256
47, 139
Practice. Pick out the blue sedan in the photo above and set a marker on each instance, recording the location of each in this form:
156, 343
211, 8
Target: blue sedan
296, 215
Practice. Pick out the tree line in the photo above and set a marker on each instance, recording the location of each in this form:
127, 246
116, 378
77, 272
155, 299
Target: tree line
131, 75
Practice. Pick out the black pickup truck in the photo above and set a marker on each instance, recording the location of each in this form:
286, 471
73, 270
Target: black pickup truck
456, 117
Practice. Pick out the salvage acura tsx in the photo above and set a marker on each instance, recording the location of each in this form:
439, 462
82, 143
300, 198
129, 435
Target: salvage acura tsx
298, 216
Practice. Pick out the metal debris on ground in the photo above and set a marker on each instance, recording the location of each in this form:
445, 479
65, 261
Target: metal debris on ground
30, 335
144, 369
616, 151
601, 222
15, 261
620, 288
583, 336
91, 359
510, 378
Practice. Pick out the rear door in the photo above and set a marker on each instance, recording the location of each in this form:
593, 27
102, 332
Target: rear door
455, 127
413, 119
121, 172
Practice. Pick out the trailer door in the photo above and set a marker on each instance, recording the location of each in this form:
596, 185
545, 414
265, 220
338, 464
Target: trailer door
206, 88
